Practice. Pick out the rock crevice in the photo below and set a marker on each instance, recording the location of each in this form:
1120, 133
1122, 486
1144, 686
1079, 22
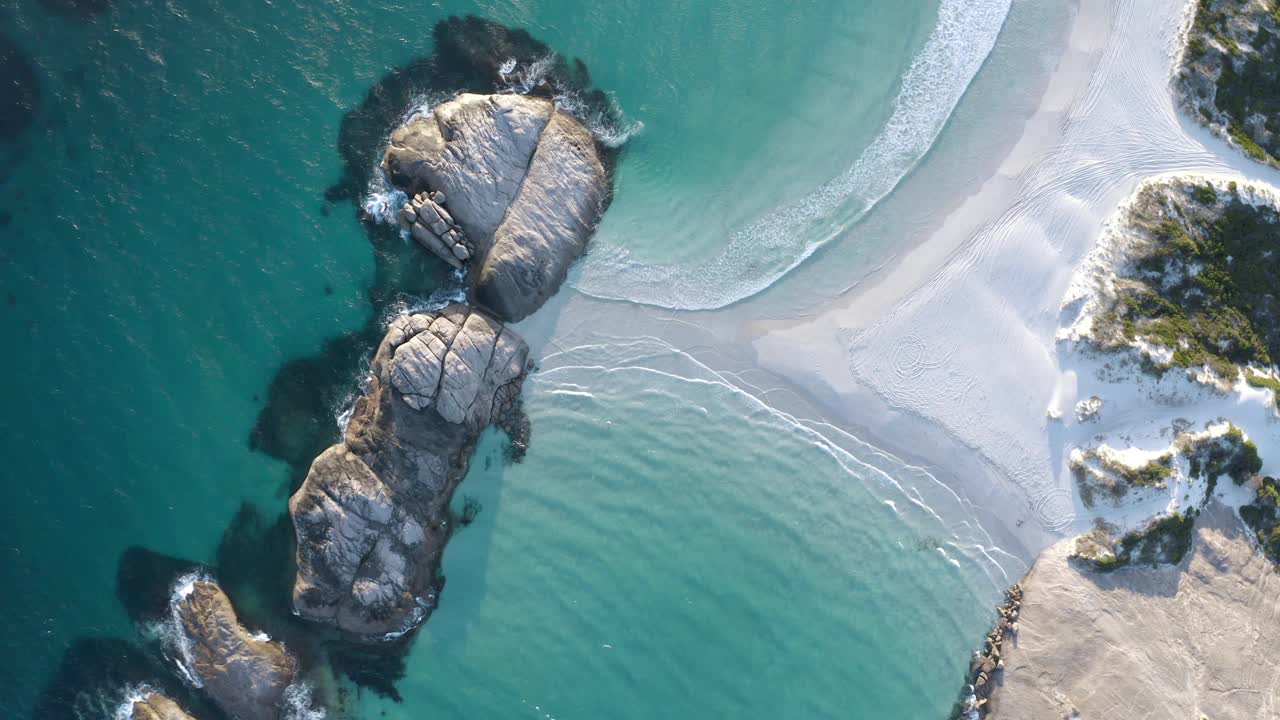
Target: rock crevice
371, 517
526, 185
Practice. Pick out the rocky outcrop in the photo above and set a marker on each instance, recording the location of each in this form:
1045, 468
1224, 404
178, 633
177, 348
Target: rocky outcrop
244, 674
1193, 640
987, 663
525, 181
157, 707
426, 220
371, 517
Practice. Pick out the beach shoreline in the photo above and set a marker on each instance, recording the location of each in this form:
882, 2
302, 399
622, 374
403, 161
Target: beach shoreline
959, 331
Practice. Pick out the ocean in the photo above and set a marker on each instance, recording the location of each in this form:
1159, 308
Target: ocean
189, 294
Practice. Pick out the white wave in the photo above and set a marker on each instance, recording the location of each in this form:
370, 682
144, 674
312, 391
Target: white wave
923, 500
381, 201
758, 255
611, 127
176, 643
298, 704
132, 694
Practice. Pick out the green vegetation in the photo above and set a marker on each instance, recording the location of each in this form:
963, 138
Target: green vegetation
1204, 286
1165, 540
1263, 518
1229, 454
1266, 382
1248, 83
1153, 474
1116, 479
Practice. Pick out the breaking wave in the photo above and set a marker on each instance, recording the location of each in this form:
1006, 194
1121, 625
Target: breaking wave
759, 254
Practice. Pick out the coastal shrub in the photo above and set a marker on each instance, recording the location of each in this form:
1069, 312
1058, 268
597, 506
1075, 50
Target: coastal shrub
1265, 382
1153, 474
1115, 478
1204, 194
1203, 281
1165, 540
1242, 68
1229, 454
1262, 516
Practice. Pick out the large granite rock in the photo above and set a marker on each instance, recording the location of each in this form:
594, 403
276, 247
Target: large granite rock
244, 674
157, 707
1194, 640
523, 179
372, 515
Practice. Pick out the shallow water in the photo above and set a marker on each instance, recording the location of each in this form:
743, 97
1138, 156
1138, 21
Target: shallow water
672, 543
167, 247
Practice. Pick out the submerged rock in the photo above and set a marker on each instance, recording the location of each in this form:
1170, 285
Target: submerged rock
371, 518
525, 181
244, 674
158, 707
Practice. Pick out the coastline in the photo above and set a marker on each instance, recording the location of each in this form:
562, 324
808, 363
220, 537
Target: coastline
959, 331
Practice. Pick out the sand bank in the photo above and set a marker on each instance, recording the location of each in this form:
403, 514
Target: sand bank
959, 332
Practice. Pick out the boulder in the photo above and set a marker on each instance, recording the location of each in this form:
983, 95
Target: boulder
475, 149
525, 181
244, 674
371, 518
157, 707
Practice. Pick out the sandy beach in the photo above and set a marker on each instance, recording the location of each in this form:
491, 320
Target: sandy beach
960, 332
943, 361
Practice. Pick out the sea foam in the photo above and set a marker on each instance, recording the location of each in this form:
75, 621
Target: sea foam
757, 255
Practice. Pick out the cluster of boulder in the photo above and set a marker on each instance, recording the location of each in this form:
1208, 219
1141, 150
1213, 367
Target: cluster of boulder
426, 220
526, 186
525, 181
976, 700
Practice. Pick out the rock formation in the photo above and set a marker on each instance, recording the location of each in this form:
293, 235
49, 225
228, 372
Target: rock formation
158, 707
433, 227
372, 515
987, 663
1193, 640
523, 179
243, 674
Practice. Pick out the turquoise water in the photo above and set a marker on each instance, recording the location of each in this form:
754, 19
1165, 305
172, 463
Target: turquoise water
167, 249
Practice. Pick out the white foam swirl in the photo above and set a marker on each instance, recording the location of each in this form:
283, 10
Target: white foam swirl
757, 255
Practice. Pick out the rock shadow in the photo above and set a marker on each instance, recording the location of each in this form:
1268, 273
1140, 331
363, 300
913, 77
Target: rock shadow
82, 10
95, 674
19, 90
469, 54
298, 419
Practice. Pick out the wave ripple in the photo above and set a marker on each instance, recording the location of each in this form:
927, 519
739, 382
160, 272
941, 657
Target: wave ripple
757, 255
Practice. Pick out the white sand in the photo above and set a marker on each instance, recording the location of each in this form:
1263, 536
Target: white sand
960, 332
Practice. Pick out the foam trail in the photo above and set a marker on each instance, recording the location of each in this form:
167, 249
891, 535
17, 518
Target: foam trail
132, 694
758, 255
561, 370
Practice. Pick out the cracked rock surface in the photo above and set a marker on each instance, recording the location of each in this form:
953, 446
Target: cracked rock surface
371, 518
523, 179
